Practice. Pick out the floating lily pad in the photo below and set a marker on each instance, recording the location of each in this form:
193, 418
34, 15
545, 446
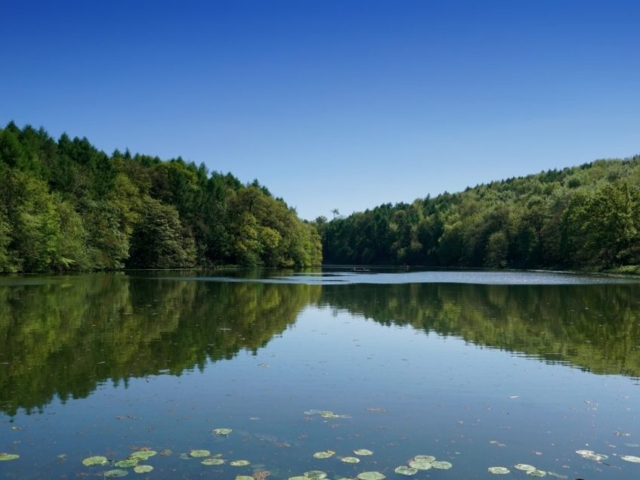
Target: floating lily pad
127, 463
420, 464
143, 455
245, 477
499, 470
630, 458
116, 473
166, 453
299, 477
325, 454
524, 467
143, 469
363, 452
222, 431
240, 463
425, 458
350, 459
213, 461
371, 476
596, 457
199, 453
404, 470
5, 457
441, 465
97, 460
316, 474
585, 452
557, 475
537, 473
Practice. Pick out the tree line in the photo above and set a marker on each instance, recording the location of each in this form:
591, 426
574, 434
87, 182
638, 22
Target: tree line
580, 217
67, 206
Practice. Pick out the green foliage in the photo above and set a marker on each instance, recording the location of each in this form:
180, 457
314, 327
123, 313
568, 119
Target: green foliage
582, 217
68, 206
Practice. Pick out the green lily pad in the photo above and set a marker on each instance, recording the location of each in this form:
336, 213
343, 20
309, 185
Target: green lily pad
116, 473
222, 431
143, 455
213, 461
363, 452
425, 458
127, 463
441, 465
420, 464
630, 458
245, 477
404, 470
240, 463
371, 476
524, 467
5, 457
316, 474
537, 473
143, 469
97, 460
325, 454
299, 477
350, 459
499, 470
199, 453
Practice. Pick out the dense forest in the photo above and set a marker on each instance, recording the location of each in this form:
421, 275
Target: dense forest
585, 217
66, 206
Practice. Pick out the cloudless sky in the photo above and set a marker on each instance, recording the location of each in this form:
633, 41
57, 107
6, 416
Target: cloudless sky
333, 104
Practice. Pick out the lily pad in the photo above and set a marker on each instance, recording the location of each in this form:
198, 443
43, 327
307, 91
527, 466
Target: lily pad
420, 464
127, 463
630, 458
350, 459
363, 452
425, 458
404, 470
316, 474
371, 476
537, 473
499, 470
97, 460
199, 453
222, 431
245, 477
441, 465
143, 469
213, 461
116, 473
325, 454
5, 457
143, 455
240, 463
524, 467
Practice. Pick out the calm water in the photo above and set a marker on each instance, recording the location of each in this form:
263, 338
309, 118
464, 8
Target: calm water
477, 369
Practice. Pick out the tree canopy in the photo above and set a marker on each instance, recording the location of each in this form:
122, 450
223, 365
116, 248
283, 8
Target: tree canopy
580, 217
65, 205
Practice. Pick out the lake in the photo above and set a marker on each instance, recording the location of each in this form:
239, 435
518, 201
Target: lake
274, 374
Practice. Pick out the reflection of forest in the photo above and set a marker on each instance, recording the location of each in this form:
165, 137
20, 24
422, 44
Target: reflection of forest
594, 327
66, 335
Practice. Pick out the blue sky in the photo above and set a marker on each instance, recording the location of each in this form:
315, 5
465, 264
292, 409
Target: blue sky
333, 104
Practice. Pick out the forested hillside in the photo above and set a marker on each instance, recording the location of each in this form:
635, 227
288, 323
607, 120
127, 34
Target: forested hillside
65, 205
581, 217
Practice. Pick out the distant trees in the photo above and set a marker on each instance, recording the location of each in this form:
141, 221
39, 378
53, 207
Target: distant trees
581, 217
64, 205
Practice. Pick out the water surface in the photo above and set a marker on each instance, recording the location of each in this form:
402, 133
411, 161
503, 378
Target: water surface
479, 369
